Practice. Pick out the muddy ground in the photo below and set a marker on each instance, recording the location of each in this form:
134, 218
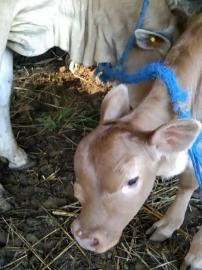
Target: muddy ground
51, 111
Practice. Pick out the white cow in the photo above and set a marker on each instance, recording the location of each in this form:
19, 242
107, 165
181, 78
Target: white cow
92, 31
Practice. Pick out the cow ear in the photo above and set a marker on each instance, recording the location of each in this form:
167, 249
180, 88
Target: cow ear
149, 40
115, 104
176, 136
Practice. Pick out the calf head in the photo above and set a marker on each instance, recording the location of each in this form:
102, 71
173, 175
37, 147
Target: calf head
116, 166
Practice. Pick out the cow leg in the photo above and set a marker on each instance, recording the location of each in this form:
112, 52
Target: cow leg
8, 147
174, 216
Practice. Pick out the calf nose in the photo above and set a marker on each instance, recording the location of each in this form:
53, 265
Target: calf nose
84, 238
78, 233
94, 242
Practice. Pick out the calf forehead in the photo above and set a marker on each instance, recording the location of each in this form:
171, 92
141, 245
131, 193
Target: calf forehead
115, 156
83, 164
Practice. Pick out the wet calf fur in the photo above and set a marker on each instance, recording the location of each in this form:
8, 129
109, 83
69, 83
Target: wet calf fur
117, 163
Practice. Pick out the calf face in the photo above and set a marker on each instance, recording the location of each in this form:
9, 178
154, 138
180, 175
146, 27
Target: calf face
109, 181
116, 166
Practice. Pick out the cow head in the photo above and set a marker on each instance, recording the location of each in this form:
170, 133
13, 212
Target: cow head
160, 30
116, 165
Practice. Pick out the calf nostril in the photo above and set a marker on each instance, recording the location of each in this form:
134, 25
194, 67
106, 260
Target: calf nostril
94, 242
79, 233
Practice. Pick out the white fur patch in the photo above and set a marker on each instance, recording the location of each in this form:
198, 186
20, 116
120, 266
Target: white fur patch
127, 189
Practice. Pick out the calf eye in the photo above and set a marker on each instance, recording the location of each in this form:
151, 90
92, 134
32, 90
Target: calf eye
133, 181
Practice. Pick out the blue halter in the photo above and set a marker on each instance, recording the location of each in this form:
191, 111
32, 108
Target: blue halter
105, 70
178, 96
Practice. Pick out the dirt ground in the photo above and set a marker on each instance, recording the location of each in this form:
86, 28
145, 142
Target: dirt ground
51, 111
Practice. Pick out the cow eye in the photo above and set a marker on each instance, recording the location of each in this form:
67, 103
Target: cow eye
133, 181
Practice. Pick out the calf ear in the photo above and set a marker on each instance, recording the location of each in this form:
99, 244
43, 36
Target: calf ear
176, 136
149, 40
115, 104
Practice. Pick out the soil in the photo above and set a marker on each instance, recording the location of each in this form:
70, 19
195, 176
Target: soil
51, 110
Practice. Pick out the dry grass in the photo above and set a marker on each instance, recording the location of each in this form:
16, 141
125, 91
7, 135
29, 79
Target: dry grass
52, 105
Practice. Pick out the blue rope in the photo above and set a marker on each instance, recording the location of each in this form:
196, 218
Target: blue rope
132, 38
131, 42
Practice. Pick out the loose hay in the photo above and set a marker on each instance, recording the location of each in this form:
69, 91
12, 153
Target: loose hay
51, 110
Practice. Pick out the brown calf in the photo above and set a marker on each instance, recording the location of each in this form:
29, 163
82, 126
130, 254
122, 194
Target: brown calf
116, 164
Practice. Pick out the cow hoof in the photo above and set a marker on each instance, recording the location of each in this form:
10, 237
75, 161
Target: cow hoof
158, 237
186, 266
73, 67
156, 234
159, 232
29, 164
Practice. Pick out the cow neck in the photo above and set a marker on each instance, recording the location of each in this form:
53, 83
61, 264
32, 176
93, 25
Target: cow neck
154, 111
